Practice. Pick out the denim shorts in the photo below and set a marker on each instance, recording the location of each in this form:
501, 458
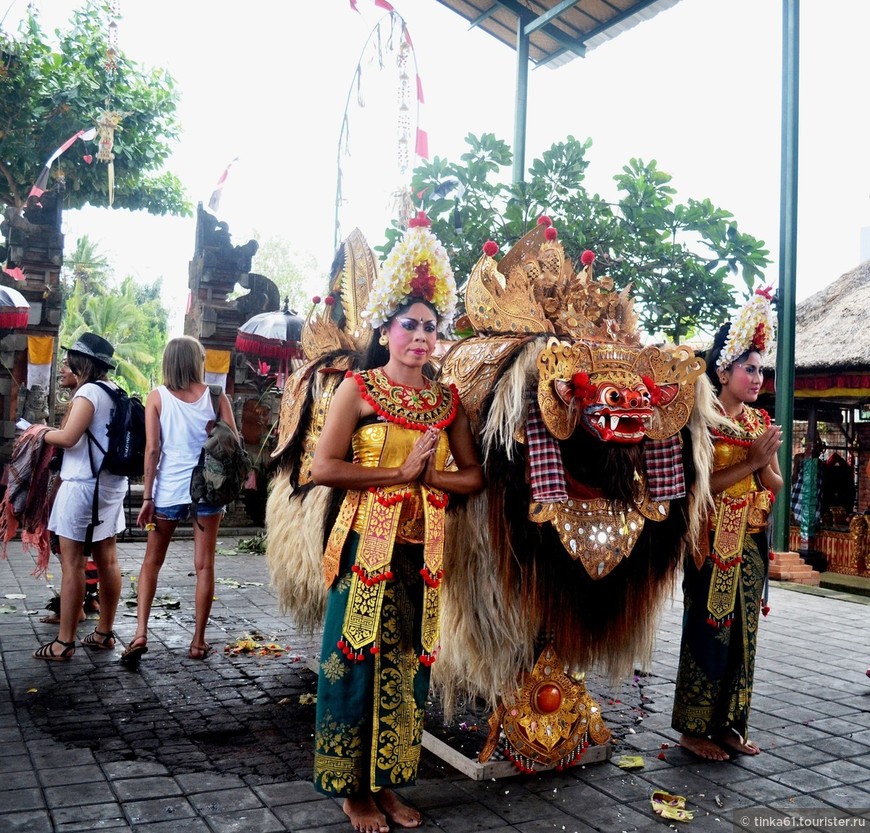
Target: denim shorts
181, 511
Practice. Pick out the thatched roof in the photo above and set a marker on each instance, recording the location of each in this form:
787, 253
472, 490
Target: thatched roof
832, 327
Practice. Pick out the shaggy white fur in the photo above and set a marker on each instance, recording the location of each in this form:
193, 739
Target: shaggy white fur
294, 550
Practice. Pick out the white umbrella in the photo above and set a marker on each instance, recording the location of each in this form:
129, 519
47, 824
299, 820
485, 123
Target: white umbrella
273, 335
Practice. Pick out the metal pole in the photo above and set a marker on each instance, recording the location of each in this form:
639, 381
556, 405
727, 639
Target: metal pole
521, 103
787, 263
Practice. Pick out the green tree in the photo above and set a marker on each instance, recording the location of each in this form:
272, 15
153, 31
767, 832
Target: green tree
48, 93
87, 267
290, 270
679, 258
132, 319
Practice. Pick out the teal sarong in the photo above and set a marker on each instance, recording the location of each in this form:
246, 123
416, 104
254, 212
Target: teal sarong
369, 725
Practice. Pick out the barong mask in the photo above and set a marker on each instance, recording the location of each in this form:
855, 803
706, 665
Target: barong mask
593, 371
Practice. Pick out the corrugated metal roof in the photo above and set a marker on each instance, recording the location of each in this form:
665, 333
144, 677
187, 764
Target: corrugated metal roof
563, 29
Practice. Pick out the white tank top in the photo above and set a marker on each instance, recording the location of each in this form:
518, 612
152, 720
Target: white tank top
182, 434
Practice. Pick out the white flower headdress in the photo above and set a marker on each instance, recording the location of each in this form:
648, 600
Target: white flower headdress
753, 328
417, 267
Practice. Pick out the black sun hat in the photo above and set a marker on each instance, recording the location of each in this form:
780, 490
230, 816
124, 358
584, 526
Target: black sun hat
94, 346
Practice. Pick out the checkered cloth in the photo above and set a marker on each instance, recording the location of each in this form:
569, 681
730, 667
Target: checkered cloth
663, 462
546, 472
806, 497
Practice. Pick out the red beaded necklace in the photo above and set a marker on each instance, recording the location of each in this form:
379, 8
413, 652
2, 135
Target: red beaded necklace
749, 425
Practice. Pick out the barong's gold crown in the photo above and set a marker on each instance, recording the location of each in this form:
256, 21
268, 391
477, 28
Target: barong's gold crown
593, 330
533, 289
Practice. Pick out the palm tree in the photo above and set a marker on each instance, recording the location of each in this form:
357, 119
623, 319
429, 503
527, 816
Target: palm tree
87, 267
128, 324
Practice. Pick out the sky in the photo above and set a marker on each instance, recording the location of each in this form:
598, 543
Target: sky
697, 88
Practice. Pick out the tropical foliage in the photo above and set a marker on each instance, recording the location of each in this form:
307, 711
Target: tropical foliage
680, 258
50, 92
130, 316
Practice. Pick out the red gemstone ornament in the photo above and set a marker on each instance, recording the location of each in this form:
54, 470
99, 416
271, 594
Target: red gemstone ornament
548, 698
490, 248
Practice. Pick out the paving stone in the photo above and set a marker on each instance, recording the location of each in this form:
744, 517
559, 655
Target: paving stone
846, 772
801, 755
224, 801
262, 820
23, 799
311, 814
32, 821
471, 816
156, 786
94, 816
846, 797
161, 809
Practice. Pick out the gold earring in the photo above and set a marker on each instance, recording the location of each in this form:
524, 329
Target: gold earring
383, 340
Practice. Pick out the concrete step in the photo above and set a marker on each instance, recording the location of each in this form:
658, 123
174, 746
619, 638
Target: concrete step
789, 566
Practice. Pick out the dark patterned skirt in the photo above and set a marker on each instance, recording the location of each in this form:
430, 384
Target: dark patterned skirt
717, 663
369, 728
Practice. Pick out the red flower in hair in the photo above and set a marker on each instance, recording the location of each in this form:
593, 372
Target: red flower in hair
544, 220
551, 233
423, 282
587, 257
490, 248
760, 338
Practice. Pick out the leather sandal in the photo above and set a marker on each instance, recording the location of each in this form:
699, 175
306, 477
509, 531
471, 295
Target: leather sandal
45, 652
199, 651
133, 652
98, 639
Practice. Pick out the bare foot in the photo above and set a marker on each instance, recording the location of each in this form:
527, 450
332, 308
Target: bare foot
397, 811
364, 814
737, 744
703, 748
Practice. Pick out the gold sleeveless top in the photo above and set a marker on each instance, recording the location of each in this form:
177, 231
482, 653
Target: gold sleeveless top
388, 445
731, 446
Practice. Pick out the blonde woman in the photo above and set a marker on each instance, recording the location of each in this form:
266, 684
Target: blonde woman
178, 415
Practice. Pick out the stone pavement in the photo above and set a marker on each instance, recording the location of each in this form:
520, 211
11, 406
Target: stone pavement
224, 745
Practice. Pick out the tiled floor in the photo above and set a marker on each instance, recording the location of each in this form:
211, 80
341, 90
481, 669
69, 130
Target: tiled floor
224, 745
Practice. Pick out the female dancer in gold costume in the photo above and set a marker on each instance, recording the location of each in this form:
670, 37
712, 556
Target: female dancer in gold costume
399, 444
724, 588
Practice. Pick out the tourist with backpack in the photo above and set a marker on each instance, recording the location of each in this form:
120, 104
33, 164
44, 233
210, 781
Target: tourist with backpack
88, 509
178, 417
